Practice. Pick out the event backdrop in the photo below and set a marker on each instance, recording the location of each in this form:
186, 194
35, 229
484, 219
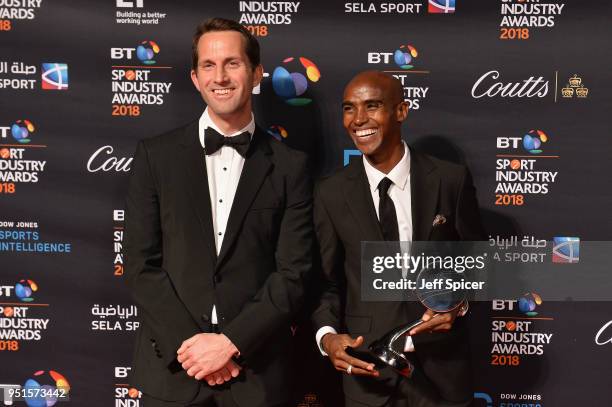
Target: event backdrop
518, 90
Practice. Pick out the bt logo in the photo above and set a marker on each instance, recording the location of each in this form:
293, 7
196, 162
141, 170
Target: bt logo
531, 141
6, 290
526, 304
403, 57
21, 131
290, 86
24, 290
53, 385
278, 132
122, 372
145, 52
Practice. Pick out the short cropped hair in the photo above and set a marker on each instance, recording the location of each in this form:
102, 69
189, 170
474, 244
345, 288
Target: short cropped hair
251, 45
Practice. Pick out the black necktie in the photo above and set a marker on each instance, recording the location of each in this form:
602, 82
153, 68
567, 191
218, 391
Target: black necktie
213, 141
386, 211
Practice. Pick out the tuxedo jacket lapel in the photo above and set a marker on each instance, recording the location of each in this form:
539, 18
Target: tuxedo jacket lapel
196, 178
359, 201
424, 193
256, 167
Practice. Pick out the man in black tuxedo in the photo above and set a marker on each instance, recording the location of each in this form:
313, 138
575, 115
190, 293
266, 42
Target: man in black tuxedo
218, 242
396, 194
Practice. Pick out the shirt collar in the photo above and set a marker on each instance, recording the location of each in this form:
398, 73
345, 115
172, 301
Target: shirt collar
398, 175
206, 122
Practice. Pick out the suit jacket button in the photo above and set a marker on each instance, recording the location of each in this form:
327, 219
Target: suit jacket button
217, 278
205, 318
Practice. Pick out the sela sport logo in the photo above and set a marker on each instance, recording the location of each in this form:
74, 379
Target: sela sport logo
441, 6
566, 249
54, 76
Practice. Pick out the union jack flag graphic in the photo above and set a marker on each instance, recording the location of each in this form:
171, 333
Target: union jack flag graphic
441, 6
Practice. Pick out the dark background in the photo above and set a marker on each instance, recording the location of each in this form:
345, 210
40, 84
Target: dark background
74, 205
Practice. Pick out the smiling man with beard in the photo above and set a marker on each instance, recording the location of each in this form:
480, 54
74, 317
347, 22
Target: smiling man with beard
393, 194
218, 242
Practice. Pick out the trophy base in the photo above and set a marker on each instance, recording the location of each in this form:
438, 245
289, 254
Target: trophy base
396, 360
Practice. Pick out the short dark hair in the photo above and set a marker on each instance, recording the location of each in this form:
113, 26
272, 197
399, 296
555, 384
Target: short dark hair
251, 45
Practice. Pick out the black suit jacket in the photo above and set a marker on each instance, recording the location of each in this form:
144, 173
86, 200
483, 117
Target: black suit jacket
175, 275
345, 216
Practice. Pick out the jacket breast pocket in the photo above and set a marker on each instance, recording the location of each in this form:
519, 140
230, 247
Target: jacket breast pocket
357, 324
444, 230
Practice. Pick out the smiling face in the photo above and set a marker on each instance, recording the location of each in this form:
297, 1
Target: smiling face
224, 77
373, 111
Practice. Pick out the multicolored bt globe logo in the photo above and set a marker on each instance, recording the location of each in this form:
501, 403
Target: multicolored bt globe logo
278, 132
404, 56
291, 85
21, 131
48, 388
533, 140
528, 303
146, 51
24, 290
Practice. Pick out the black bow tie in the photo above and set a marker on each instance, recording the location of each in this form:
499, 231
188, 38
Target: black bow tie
213, 141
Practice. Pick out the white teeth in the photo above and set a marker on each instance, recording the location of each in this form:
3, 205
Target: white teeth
366, 132
221, 91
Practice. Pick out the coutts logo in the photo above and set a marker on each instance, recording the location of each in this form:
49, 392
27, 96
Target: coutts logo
489, 85
600, 338
104, 160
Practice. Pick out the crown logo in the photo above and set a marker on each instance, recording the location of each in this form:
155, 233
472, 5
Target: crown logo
310, 400
575, 81
567, 92
574, 87
582, 92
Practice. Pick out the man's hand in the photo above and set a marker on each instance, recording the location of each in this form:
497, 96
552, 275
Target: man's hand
335, 344
204, 354
226, 374
436, 322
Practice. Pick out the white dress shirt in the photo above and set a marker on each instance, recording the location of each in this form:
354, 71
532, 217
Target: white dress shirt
399, 192
223, 169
